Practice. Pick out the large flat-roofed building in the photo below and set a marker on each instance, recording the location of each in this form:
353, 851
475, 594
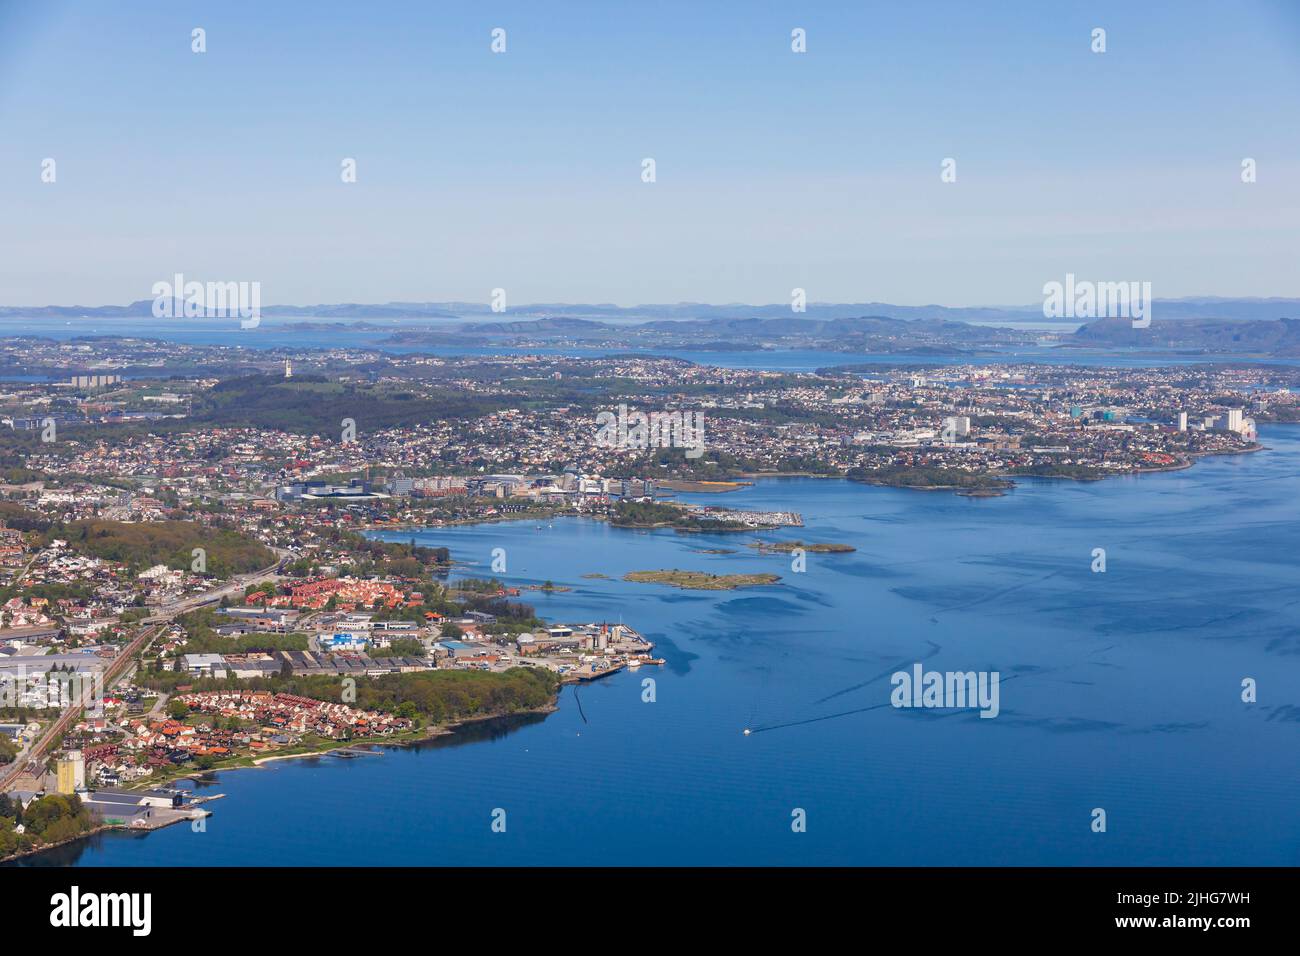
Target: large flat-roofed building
245, 666
355, 490
205, 665
30, 664
14, 636
344, 640
132, 807
94, 381
462, 649
957, 425
262, 615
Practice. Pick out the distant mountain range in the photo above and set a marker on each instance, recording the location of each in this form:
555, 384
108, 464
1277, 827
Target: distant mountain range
1279, 338
143, 308
870, 333
1162, 310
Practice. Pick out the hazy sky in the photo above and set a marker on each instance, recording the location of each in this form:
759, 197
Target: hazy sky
522, 170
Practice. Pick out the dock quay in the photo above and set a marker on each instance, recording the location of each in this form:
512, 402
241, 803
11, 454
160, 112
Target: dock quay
590, 673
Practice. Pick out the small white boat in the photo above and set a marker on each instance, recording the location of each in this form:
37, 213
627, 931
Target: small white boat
634, 663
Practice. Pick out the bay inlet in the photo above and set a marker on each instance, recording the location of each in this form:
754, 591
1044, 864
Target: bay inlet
1118, 690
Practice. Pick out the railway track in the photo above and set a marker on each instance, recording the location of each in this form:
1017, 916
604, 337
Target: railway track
118, 665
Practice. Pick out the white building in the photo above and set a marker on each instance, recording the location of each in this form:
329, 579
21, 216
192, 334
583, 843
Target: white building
205, 665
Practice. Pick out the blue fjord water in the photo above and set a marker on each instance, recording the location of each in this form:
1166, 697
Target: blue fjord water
1120, 690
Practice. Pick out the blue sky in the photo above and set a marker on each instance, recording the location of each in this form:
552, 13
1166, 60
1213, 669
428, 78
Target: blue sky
523, 170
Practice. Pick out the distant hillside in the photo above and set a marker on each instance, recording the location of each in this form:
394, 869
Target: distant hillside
143, 545
13, 515
314, 405
1279, 338
143, 308
1201, 307
865, 333
827, 328
561, 324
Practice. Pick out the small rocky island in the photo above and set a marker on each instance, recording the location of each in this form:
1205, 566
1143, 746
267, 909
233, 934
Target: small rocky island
701, 580
811, 547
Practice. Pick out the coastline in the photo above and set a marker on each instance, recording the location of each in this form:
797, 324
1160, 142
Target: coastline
434, 731
700, 486
996, 491
431, 732
245, 762
91, 851
993, 491
46, 848
742, 481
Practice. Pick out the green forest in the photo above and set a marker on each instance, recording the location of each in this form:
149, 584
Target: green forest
441, 696
143, 545
311, 404
645, 514
433, 697
900, 476
49, 819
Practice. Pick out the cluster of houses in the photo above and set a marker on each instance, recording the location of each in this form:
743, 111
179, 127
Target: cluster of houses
18, 613
289, 715
33, 619
13, 551
347, 594
250, 722
164, 585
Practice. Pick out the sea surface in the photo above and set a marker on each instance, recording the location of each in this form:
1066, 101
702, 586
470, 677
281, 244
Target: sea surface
1119, 690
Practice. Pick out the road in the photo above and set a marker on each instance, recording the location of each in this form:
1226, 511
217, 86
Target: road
52, 732
236, 585
27, 567
123, 660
